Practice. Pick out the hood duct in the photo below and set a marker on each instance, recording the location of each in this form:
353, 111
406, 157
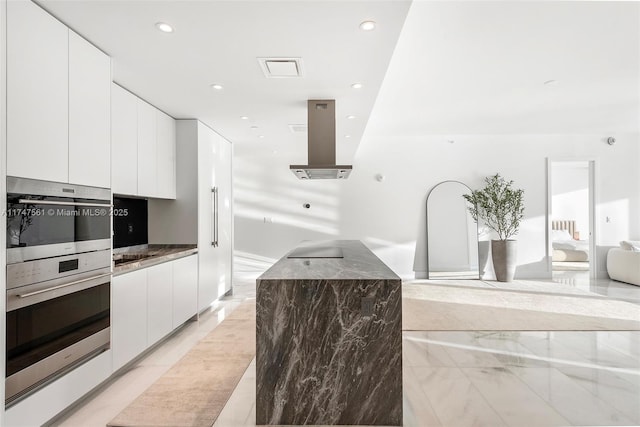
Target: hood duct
321, 143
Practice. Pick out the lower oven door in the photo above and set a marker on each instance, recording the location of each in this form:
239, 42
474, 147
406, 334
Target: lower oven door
53, 326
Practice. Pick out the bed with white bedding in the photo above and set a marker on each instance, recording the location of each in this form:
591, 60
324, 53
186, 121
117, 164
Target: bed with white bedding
566, 248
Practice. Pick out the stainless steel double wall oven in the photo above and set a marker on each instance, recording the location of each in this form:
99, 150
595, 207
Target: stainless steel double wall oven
58, 280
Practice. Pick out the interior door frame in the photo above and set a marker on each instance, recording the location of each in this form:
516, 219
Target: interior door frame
593, 192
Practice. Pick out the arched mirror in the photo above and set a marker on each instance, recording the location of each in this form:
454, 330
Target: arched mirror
452, 235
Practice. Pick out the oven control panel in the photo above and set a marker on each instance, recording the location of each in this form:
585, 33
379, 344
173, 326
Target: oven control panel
41, 270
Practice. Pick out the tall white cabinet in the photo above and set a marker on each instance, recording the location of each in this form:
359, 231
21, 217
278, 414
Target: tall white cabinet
58, 101
214, 215
204, 171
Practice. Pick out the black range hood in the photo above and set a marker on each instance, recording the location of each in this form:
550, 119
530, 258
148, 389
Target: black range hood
321, 143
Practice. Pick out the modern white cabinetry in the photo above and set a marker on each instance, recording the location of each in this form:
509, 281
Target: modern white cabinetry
185, 289
128, 316
165, 156
147, 304
89, 114
214, 216
58, 101
124, 141
203, 207
143, 148
146, 149
37, 93
159, 301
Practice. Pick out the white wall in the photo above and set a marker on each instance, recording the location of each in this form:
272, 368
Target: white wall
389, 216
570, 194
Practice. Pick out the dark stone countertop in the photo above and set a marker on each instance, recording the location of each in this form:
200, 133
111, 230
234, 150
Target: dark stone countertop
141, 256
358, 263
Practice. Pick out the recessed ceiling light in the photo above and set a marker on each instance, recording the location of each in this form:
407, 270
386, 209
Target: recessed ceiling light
216, 86
253, 127
351, 117
244, 118
260, 136
551, 83
164, 27
347, 136
356, 85
368, 25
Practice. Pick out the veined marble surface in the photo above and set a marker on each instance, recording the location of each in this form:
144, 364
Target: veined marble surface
358, 263
141, 256
329, 341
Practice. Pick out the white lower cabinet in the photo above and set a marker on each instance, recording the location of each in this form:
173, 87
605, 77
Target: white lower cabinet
185, 289
128, 316
159, 301
147, 304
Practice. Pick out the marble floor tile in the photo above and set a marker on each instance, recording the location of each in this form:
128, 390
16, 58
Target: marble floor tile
417, 352
620, 390
416, 409
454, 398
569, 399
516, 403
116, 396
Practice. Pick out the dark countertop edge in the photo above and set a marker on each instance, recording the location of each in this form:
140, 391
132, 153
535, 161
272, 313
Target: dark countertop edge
144, 263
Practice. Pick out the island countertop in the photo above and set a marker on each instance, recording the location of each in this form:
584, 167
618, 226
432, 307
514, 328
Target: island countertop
358, 263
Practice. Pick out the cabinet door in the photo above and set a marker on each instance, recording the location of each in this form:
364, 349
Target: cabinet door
208, 285
124, 141
146, 149
128, 316
185, 289
160, 304
37, 93
166, 155
224, 249
89, 114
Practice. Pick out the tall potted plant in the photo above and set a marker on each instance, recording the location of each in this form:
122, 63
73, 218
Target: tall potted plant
501, 208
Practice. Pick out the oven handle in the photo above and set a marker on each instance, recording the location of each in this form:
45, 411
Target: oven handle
53, 288
49, 202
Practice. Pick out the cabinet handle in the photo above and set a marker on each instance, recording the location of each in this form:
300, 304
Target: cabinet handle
214, 217
53, 288
50, 202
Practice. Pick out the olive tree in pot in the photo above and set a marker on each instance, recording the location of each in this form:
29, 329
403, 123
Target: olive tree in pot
501, 208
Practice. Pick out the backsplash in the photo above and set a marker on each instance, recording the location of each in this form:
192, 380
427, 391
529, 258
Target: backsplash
130, 223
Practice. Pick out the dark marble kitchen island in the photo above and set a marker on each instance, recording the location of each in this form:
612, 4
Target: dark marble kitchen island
329, 338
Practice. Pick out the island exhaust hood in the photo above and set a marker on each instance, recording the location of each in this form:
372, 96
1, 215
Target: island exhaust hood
321, 143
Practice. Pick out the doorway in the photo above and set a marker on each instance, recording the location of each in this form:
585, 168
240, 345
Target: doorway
571, 218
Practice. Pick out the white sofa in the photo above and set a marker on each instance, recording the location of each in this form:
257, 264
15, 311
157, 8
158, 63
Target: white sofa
623, 264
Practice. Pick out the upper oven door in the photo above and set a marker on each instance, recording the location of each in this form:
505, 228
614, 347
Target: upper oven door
47, 219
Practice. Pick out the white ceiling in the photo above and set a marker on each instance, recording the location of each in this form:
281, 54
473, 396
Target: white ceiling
459, 67
478, 67
220, 41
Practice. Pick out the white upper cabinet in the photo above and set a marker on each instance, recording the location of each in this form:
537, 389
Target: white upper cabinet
37, 93
147, 183
143, 148
89, 114
165, 156
58, 101
124, 141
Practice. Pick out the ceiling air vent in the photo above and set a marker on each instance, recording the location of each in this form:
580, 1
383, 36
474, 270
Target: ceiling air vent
298, 128
276, 68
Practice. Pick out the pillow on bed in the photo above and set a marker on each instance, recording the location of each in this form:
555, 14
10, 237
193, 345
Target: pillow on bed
630, 245
560, 235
